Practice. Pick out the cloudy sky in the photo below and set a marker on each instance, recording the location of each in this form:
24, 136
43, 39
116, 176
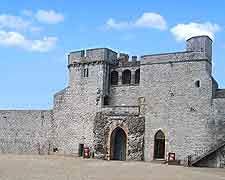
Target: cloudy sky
35, 37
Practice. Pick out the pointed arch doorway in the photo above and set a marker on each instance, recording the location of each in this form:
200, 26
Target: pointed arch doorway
118, 144
159, 145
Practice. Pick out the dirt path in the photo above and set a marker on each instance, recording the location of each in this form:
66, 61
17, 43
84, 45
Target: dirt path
21, 167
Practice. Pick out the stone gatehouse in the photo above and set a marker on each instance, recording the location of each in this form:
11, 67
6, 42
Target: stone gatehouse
129, 109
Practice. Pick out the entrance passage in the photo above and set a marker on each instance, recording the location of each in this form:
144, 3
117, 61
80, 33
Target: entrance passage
118, 144
159, 147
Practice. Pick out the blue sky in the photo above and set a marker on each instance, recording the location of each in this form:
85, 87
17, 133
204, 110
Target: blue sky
35, 37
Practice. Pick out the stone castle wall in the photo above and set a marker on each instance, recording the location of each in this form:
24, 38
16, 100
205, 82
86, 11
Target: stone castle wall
28, 131
124, 95
219, 118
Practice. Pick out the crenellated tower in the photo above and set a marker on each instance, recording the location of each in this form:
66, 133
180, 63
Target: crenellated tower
89, 72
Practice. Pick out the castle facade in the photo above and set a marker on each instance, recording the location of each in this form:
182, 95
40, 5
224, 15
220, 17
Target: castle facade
129, 109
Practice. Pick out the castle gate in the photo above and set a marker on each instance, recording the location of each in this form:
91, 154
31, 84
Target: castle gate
118, 144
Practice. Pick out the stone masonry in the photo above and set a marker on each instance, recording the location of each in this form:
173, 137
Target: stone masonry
27, 131
129, 109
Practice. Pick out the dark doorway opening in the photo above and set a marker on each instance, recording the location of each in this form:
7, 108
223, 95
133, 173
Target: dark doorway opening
81, 150
159, 146
106, 100
137, 76
126, 77
118, 144
114, 78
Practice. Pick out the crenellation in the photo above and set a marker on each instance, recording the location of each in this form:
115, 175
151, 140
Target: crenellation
123, 59
76, 56
134, 59
92, 55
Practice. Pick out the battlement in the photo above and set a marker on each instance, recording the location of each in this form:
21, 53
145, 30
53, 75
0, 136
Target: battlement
102, 54
123, 60
92, 55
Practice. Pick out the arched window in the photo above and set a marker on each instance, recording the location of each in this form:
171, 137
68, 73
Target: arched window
197, 83
114, 77
137, 76
126, 77
159, 145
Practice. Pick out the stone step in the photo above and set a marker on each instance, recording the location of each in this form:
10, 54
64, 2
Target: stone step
207, 153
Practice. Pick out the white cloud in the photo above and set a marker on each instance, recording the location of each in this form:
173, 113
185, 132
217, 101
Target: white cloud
44, 45
112, 24
151, 20
185, 31
15, 39
49, 16
147, 20
13, 22
11, 38
11, 27
10, 22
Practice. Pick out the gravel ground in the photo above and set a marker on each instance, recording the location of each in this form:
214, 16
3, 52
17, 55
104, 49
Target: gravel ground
28, 167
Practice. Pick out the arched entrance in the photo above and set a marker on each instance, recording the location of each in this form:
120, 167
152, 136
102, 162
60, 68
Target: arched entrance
118, 144
159, 145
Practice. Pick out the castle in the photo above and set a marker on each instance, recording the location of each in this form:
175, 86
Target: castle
129, 109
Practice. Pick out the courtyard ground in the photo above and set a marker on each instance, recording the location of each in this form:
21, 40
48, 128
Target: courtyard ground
28, 167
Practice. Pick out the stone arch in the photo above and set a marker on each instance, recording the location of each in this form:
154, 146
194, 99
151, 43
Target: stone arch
114, 77
126, 76
137, 76
118, 144
159, 145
